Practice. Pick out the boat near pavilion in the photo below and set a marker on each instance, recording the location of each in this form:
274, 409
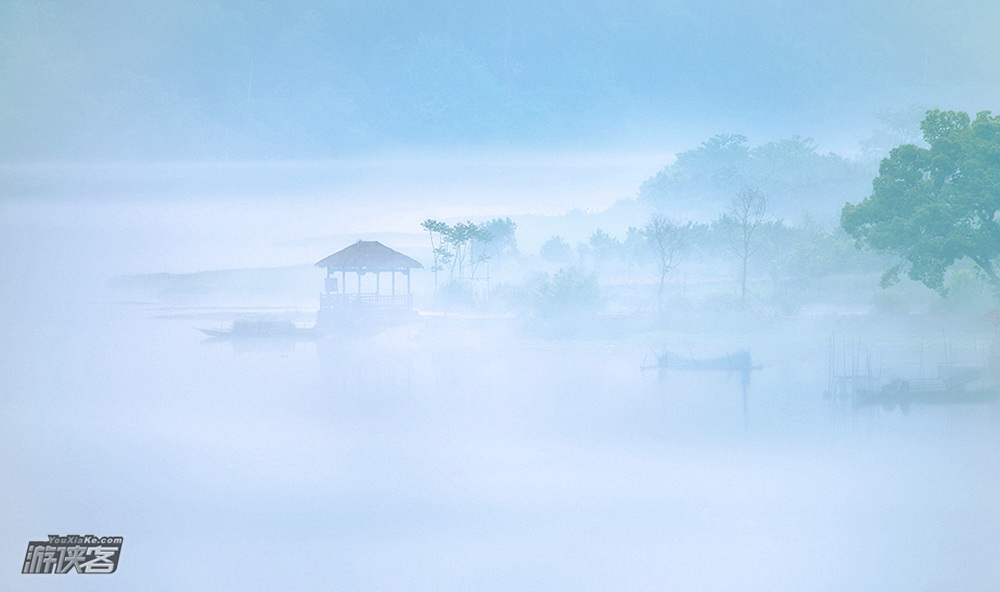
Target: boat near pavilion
261, 329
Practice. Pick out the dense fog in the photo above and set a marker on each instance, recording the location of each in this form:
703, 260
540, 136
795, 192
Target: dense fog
628, 335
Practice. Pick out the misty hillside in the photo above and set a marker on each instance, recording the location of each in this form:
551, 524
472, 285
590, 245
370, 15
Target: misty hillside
222, 79
794, 177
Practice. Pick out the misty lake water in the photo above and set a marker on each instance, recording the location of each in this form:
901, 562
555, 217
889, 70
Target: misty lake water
452, 453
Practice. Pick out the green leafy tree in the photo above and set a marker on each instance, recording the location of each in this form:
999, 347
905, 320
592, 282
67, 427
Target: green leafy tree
556, 250
503, 241
605, 246
460, 247
934, 206
569, 291
457, 238
442, 256
479, 238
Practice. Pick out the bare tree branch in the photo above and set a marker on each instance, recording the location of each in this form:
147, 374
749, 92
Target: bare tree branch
666, 238
748, 209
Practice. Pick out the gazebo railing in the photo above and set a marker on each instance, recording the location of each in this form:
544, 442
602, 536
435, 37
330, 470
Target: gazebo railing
366, 302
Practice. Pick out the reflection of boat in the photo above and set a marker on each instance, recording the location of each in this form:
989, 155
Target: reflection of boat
739, 362
956, 386
261, 330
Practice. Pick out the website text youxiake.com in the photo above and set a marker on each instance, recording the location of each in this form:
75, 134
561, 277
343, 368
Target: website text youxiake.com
86, 554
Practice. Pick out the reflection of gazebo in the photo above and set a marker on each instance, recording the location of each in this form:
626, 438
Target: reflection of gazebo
361, 258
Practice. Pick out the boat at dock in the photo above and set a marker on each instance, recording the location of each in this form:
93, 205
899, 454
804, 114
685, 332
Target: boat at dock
953, 386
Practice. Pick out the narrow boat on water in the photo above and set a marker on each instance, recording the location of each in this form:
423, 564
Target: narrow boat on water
739, 362
261, 330
954, 386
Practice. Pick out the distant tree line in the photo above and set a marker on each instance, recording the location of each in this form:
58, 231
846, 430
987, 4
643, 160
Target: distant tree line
790, 172
744, 233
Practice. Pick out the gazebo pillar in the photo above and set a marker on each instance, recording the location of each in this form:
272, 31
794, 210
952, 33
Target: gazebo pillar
365, 257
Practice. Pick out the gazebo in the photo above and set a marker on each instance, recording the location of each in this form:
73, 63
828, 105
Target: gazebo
362, 258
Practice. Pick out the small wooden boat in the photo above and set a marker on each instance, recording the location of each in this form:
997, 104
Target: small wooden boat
955, 386
261, 330
736, 362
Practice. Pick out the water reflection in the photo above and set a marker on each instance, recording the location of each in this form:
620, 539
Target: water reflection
529, 461
365, 372
737, 364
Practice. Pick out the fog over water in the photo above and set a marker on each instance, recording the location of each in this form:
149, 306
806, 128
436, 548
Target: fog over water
563, 416
456, 451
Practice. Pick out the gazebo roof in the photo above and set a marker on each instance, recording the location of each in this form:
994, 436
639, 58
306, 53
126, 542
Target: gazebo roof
368, 256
